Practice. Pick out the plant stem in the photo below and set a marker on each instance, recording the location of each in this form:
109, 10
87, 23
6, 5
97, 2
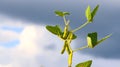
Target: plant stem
65, 21
80, 48
80, 27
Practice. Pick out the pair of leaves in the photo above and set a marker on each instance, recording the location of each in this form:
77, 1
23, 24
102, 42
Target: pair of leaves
85, 64
56, 30
61, 13
92, 39
90, 15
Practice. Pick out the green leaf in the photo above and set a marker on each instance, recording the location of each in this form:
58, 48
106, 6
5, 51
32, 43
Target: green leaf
54, 29
93, 13
74, 37
61, 14
88, 13
85, 64
103, 39
92, 39
66, 13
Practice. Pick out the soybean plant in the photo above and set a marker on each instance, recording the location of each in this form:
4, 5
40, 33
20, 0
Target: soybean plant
67, 35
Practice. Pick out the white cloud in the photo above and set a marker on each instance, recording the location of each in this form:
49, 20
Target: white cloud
9, 21
7, 35
8, 65
27, 41
33, 40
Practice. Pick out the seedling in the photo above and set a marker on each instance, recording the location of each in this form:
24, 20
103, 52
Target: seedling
67, 35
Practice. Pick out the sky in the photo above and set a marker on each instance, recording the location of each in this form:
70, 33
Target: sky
24, 41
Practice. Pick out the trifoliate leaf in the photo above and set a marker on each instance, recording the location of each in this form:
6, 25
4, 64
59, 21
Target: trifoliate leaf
93, 13
88, 13
84, 64
61, 14
54, 29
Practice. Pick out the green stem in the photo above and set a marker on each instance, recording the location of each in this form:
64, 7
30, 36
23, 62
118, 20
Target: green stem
80, 48
80, 27
65, 21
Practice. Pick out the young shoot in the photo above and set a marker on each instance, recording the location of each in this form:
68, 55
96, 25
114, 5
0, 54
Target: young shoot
68, 35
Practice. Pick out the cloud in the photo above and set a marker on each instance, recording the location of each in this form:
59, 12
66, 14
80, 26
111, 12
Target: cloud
9, 31
7, 35
9, 65
31, 51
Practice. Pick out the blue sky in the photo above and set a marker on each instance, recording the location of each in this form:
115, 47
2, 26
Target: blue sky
24, 41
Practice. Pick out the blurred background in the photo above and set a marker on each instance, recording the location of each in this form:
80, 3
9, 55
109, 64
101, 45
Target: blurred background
24, 41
